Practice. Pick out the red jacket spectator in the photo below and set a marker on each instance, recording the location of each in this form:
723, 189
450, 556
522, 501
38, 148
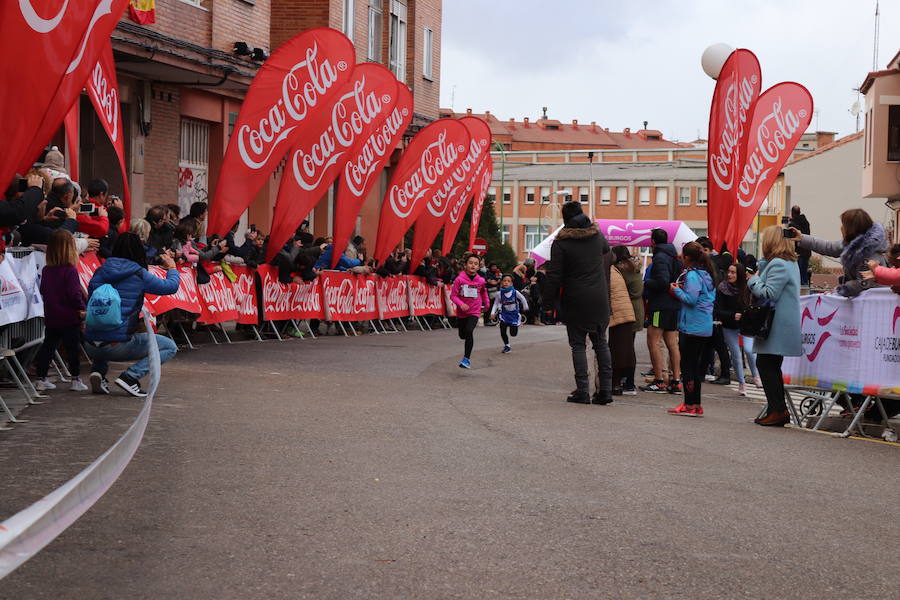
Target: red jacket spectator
95, 227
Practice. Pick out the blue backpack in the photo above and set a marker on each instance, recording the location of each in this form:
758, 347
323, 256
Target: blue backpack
104, 309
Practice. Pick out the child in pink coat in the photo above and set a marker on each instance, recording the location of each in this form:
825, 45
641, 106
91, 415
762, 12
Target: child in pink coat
886, 275
471, 299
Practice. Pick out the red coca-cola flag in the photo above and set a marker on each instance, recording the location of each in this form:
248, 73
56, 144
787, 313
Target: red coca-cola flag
187, 297
73, 73
57, 43
737, 89
327, 142
297, 82
103, 90
446, 196
217, 299
88, 263
779, 118
282, 301
393, 297
71, 122
458, 209
480, 195
364, 165
431, 155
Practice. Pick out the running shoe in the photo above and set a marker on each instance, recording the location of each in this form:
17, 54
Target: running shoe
465, 364
506, 349
742, 389
42, 385
130, 385
683, 410
658, 386
99, 384
674, 386
629, 391
78, 386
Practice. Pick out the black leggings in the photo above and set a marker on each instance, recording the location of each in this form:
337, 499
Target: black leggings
466, 326
513, 331
693, 365
71, 341
769, 366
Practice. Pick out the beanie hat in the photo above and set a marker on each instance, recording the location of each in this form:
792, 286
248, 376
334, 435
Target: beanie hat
55, 160
571, 209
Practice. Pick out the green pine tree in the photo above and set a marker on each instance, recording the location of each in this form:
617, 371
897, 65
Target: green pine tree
489, 230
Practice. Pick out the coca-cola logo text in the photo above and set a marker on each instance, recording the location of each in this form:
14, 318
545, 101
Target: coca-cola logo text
376, 147
725, 155
435, 160
108, 98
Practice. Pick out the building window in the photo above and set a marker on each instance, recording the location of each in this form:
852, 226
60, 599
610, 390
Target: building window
428, 50
491, 195
621, 196
398, 40
349, 8
193, 164
605, 195
893, 149
532, 237
507, 195
545, 195
644, 196
662, 196
701, 196
374, 42
567, 197
529, 195
584, 195
684, 196
504, 235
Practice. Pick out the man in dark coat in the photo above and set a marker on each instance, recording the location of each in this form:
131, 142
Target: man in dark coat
663, 309
800, 221
577, 283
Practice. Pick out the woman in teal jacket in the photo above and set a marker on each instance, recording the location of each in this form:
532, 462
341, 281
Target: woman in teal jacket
779, 284
696, 292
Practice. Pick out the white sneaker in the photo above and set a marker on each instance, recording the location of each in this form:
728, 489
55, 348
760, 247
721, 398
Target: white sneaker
758, 381
742, 389
78, 386
42, 385
99, 385
709, 377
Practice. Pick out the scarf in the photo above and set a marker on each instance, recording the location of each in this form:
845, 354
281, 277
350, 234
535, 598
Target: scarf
728, 288
862, 248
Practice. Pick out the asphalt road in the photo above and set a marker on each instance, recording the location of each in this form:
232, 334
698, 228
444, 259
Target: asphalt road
375, 468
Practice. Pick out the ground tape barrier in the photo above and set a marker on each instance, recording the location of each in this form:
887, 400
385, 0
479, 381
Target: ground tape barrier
24, 534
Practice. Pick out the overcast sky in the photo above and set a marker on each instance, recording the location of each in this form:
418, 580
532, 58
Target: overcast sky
623, 62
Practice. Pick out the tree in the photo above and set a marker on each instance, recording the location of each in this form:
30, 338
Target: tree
489, 230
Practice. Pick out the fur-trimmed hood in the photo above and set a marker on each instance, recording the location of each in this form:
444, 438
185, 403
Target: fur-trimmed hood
863, 247
578, 233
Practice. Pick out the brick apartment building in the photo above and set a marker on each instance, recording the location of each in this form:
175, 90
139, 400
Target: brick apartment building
182, 83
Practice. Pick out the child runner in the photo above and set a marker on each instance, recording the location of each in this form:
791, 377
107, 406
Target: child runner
506, 302
470, 296
697, 293
63, 310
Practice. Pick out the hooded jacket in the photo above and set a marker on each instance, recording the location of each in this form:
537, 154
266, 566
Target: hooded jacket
663, 271
577, 278
697, 295
469, 295
132, 281
854, 256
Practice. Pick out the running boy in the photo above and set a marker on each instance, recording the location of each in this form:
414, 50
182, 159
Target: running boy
506, 302
470, 296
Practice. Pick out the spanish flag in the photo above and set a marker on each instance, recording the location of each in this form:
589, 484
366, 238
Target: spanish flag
142, 11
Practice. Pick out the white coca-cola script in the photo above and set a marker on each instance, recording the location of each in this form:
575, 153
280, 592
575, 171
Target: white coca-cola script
724, 157
360, 167
302, 88
435, 160
108, 98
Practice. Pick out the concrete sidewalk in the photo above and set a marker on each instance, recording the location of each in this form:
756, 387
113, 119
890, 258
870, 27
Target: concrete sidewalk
374, 467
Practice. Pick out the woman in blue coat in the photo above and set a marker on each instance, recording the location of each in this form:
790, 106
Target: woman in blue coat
127, 272
779, 284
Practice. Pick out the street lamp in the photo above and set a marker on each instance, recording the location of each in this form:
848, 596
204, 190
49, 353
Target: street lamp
549, 203
500, 147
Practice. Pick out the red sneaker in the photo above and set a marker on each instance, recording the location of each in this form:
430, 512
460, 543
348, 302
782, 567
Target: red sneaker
686, 411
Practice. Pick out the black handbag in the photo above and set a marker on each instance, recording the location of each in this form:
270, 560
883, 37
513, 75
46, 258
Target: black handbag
756, 321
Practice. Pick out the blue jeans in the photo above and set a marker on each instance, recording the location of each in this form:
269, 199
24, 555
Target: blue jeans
732, 340
133, 349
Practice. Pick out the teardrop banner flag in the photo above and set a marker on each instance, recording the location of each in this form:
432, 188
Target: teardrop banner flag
432, 153
103, 90
457, 209
327, 142
478, 204
447, 195
59, 42
365, 164
297, 82
779, 118
737, 88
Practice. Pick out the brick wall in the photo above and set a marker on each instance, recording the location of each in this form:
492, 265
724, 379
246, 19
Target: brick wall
290, 17
183, 21
426, 92
236, 20
161, 149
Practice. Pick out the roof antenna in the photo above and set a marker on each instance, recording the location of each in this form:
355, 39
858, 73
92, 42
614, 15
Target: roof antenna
645, 125
545, 112
875, 50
